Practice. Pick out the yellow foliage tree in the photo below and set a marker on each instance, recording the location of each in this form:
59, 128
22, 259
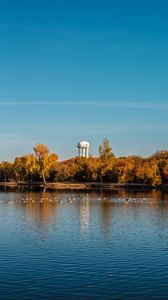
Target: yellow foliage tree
45, 160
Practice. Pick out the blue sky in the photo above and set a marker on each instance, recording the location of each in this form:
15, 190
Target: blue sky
83, 70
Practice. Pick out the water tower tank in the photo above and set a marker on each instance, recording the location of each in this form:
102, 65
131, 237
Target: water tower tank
83, 149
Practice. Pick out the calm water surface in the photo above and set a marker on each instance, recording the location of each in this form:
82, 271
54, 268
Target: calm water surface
83, 245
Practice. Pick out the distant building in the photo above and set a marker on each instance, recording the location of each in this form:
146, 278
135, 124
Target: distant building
83, 149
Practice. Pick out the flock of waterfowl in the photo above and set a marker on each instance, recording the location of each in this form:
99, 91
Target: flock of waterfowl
72, 200
132, 200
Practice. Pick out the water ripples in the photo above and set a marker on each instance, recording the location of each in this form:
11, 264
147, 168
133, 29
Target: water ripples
83, 245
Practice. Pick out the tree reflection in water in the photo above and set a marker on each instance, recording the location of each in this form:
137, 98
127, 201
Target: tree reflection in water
42, 207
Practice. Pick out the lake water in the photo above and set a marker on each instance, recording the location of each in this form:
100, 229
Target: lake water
83, 245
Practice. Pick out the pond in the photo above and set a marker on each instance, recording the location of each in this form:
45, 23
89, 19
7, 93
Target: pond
83, 244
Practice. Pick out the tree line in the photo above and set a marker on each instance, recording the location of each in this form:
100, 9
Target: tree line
43, 166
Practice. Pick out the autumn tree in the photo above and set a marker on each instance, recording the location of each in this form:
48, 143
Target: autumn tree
105, 151
25, 167
66, 170
31, 166
106, 168
19, 169
165, 173
6, 171
160, 155
45, 160
148, 172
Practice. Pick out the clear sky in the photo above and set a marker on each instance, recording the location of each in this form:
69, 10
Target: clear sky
83, 70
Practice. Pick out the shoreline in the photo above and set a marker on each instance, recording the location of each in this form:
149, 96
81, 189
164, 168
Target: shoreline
84, 185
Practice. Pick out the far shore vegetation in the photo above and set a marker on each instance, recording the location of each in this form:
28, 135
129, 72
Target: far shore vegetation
43, 166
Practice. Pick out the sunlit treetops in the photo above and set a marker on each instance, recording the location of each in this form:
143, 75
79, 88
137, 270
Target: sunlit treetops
43, 166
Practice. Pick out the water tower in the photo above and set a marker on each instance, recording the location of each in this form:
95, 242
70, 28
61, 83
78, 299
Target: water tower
83, 149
